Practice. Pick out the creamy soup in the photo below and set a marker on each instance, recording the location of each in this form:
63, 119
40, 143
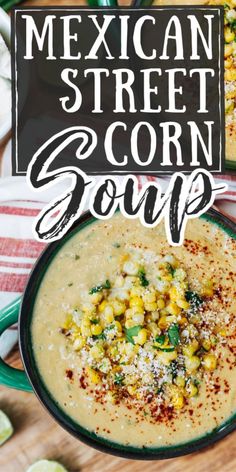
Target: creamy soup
135, 339
230, 66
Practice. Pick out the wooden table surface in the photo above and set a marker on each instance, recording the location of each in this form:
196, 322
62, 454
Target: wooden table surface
37, 435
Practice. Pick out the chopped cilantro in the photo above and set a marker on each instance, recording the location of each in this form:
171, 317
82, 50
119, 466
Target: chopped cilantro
119, 378
174, 368
173, 334
160, 339
99, 288
142, 277
70, 284
100, 336
94, 321
164, 349
77, 257
116, 245
170, 268
131, 332
233, 25
194, 299
111, 326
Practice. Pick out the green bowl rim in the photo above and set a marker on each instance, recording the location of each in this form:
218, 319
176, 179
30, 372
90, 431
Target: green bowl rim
46, 398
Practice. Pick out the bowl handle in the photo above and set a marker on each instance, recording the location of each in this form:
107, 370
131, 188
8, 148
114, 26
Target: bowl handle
10, 377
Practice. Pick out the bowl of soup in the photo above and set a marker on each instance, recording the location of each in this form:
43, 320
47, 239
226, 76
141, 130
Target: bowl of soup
129, 342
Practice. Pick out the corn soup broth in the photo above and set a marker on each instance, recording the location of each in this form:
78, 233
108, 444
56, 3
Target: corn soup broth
154, 372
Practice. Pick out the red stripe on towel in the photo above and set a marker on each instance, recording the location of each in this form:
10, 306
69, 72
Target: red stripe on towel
20, 247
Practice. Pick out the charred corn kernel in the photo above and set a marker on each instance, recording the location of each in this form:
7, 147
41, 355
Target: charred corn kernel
102, 305
163, 312
131, 390
191, 348
96, 352
153, 328
130, 380
96, 298
110, 397
162, 323
213, 340
150, 306
129, 349
161, 303
68, 322
183, 286
176, 397
173, 309
180, 381
180, 274
228, 63
192, 363
154, 316
178, 401
231, 94
96, 329
229, 35
230, 75
113, 350
130, 268
167, 357
167, 277
209, 362
138, 318
165, 321
149, 297
79, 343
118, 326
136, 291
207, 289
119, 281
85, 330
141, 338
195, 319
129, 323
93, 375
193, 332
105, 365
108, 314
173, 294
136, 302
223, 332
118, 307
191, 390
170, 259
130, 312
206, 344
122, 295
183, 304
162, 286
182, 321
130, 281
228, 50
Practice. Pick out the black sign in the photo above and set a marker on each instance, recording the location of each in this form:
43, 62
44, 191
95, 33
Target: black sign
117, 91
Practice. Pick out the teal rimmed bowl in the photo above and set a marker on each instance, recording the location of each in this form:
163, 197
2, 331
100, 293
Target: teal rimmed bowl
30, 380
